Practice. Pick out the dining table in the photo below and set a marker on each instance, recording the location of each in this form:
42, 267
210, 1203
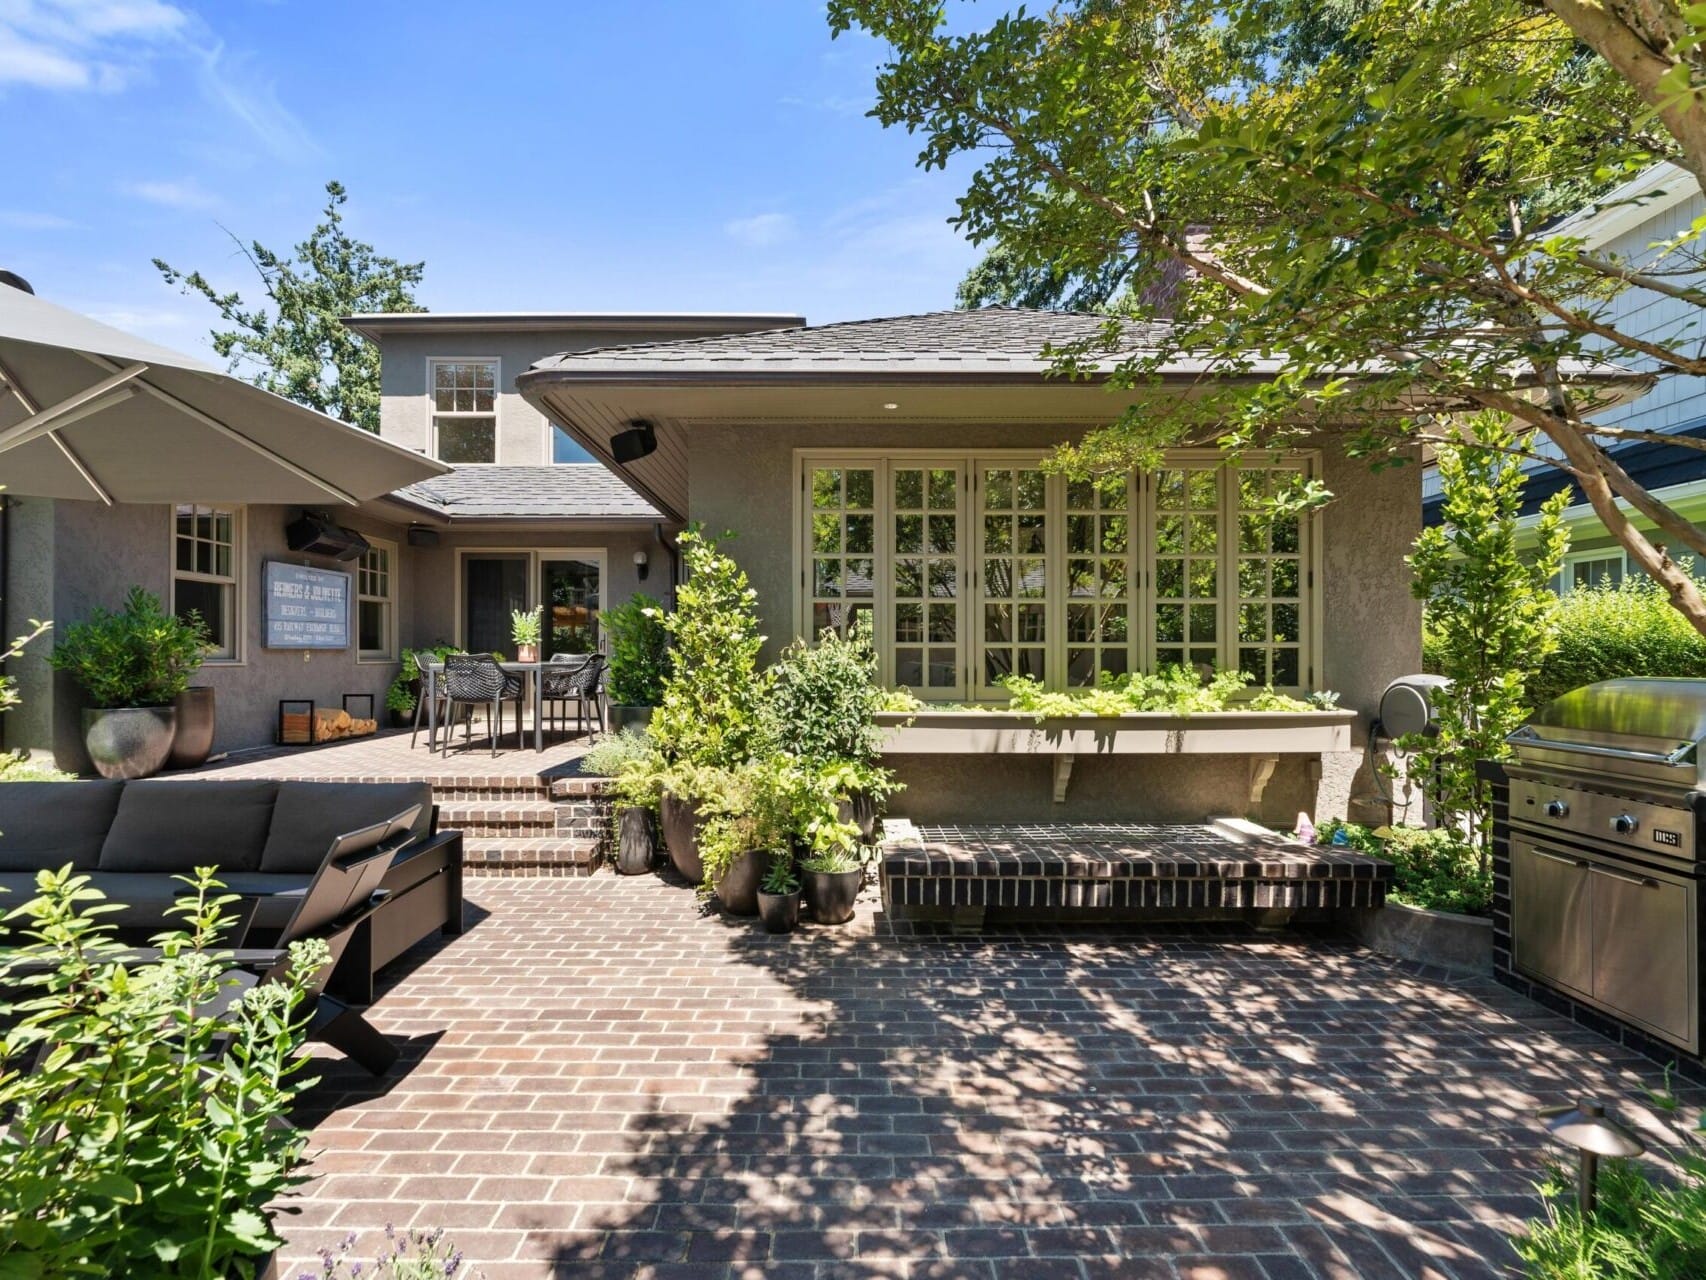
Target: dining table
532, 672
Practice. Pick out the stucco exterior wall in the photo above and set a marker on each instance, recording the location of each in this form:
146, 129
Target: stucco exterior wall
740, 481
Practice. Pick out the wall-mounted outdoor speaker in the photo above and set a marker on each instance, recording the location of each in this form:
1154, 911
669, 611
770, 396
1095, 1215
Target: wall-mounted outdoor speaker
638, 441
315, 535
421, 536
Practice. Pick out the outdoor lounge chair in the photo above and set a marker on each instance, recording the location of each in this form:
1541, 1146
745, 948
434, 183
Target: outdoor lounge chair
577, 684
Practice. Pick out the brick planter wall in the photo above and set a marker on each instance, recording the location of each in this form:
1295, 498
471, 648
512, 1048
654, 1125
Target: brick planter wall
1505, 971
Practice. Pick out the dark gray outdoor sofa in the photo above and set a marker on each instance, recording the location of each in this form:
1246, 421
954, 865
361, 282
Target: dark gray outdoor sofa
267, 839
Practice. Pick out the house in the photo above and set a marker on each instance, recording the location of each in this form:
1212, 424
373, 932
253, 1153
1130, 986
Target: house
1658, 205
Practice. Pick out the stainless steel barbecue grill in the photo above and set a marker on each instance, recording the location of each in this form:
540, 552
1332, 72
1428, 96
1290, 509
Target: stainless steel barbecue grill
1607, 786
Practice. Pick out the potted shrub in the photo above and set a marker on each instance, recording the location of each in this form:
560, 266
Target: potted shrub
831, 877
401, 698
628, 760
524, 629
638, 642
779, 895
747, 823
131, 665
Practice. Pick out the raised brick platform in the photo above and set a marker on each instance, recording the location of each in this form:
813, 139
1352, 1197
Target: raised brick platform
1220, 868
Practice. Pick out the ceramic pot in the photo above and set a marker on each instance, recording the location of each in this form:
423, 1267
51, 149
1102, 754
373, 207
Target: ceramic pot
779, 911
192, 738
129, 742
860, 808
527, 653
737, 887
401, 719
681, 836
622, 717
831, 894
636, 844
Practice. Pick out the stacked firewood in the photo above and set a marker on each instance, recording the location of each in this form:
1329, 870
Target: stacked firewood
333, 723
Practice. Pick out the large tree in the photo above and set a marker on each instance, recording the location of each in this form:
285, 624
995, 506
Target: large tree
300, 348
1383, 216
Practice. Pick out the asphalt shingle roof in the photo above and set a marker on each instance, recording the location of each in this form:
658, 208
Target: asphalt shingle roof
990, 335
583, 490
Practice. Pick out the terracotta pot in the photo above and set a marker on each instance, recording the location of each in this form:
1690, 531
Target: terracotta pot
831, 894
128, 742
192, 738
636, 843
737, 887
779, 911
527, 653
681, 836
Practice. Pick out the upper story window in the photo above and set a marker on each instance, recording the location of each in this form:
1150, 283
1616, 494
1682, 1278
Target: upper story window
465, 411
206, 569
376, 603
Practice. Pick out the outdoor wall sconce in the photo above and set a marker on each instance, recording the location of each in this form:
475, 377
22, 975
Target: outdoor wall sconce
1593, 1134
642, 564
638, 441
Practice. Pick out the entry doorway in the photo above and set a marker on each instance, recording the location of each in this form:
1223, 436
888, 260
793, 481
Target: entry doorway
566, 584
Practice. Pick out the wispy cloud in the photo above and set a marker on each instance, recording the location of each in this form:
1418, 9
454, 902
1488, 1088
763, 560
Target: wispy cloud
187, 194
834, 103
103, 46
761, 231
32, 220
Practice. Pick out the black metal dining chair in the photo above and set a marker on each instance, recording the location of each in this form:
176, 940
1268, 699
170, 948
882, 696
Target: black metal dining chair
576, 683
471, 680
422, 662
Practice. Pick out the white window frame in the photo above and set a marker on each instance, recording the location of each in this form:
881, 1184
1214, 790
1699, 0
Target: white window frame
1141, 559
389, 652
1566, 571
433, 414
536, 556
235, 655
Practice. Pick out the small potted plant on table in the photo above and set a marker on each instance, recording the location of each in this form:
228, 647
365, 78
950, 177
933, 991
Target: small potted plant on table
131, 665
639, 660
524, 628
779, 895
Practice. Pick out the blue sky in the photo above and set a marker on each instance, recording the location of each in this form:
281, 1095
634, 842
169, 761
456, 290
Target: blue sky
581, 154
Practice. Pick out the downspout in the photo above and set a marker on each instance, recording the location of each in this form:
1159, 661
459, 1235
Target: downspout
674, 554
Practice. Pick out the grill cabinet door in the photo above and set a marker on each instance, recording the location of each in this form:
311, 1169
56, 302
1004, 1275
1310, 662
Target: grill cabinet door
1551, 928
1644, 951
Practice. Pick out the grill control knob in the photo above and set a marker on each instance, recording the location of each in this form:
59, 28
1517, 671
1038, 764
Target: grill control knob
1624, 824
1557, 809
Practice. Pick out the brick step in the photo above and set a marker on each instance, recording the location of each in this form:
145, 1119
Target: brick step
486, 855
463, 789
505, 818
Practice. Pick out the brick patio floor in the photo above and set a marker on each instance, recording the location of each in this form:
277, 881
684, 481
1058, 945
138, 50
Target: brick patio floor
387, 754
599, 1081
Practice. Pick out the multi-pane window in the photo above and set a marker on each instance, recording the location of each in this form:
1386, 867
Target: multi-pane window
986, 566
1590, 569
206, 563
1014, 562
1098, 579
464, 404
925, 579
375, 603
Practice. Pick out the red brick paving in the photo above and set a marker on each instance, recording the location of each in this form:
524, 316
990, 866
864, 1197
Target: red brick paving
601, 1082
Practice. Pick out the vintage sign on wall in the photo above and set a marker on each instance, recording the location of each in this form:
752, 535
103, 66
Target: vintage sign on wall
305, 608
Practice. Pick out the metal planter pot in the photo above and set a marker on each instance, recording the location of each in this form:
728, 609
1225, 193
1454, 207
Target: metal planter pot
860, 808
737, 887
129, 742
779, 911
192, 740
624, 717
681, 836
636, 842
831, 894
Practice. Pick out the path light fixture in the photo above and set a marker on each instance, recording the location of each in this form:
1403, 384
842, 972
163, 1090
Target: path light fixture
640, 440
1593, 1134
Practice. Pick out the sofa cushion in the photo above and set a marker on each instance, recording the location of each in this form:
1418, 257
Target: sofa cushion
146, 896
178, 826
308, 816
48, 824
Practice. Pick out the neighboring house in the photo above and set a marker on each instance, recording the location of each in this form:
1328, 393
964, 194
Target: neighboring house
1630, 222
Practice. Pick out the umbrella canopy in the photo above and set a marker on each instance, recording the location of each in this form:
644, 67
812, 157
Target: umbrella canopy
89, 411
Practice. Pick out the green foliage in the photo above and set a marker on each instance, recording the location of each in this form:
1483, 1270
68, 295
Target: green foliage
301, 349
1641, 1229
406, 1255
8, 684
404, 693
17, 767
1490, 611
525, 626
1431, 868
146, 1125
141, 656
614, 752
824, 698
754, 809
711, 713
836, 858
780, 877
639, 652
1604, 632
1172, 689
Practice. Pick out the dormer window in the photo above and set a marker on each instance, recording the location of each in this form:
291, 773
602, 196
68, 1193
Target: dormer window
465, 411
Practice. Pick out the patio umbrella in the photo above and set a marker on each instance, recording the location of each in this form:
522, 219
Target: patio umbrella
89, 411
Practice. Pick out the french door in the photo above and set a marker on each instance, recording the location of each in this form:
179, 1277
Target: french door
566, 586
